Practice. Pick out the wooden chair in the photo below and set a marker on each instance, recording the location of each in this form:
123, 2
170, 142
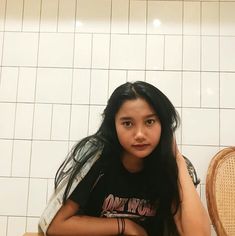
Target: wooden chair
220, 192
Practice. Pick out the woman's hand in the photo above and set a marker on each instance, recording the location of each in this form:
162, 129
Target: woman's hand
133, 229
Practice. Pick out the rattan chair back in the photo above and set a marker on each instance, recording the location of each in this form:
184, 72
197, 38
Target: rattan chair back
220, 192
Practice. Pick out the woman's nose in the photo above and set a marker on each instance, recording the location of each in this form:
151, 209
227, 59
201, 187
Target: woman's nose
139, 134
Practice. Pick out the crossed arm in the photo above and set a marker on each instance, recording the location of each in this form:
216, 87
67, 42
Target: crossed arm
191, 218
67, 223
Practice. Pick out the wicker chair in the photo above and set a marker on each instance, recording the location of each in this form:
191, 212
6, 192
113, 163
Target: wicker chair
220, 192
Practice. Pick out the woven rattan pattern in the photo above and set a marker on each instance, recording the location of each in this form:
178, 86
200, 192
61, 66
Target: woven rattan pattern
221, 192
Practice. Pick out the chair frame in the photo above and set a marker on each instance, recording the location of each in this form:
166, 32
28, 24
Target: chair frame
216, 161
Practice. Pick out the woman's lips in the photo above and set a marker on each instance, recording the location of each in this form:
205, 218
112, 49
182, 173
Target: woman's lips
140, 146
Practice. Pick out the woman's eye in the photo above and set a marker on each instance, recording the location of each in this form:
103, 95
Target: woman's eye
127, 124
150, 122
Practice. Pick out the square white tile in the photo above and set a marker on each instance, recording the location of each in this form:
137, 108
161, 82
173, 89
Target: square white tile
49, 16
2, 14
203, 195
127, 52
155, 52
14, 11
135, 75
7, 120
26, 84
227, 85
46, 158
95, 118
37, 196
79, 122
116, 78
191, 18
100, 51
1, 43
31, 16
81, 86
21, 158
66, 15
173, 52
210, 18
20, 49
164, 17
213, 233
120, 16
191, 53
16, 226
3, 225
191, 89
32, 224
10, 203
60, 122
54, 85
137, 21
8, 84
24, 121
93, 16
99, 87
42, 121
196, 122
227, 51
210, 53
6, 157
52, 50
200, 156
227, 18
227, 125
82, 50
169, 82
210, 87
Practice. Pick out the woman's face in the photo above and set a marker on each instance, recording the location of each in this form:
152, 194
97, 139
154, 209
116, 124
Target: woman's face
138, 128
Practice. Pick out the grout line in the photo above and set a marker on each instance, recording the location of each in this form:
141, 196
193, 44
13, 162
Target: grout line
104, 104
89, 104
129, 12
52, 116
110, 46
146, 40
181, 78
33, 117
72, 82
14, 129
200, 81
219, 75
22, 17
3, 40
57, 17
121, 69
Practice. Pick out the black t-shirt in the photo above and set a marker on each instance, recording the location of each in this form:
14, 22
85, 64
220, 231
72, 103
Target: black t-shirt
115, 193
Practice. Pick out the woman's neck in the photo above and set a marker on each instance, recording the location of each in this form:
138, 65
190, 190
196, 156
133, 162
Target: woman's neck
132, 164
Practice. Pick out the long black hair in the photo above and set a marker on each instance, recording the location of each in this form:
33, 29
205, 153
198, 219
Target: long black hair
160, 164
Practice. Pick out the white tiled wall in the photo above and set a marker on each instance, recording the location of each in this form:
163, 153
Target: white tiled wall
61, 59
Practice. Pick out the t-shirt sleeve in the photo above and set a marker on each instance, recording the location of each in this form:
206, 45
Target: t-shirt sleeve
81, 193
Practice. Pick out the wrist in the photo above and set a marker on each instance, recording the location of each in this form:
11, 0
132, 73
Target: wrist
121, 226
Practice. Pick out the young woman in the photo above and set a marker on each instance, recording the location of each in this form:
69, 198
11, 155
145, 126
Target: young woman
129, 178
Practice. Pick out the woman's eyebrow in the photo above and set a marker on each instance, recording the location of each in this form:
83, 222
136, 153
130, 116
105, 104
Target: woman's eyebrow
125, 118
130, 118
154, 115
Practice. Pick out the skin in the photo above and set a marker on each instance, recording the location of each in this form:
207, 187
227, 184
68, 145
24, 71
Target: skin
139, 131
